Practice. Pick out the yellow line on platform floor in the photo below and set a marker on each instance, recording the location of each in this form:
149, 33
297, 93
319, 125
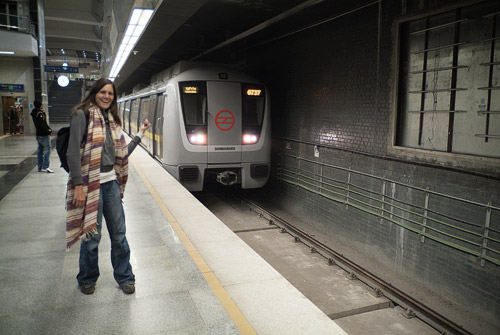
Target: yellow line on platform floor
234, 312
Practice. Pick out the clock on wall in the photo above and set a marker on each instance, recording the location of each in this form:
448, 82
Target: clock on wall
63, 81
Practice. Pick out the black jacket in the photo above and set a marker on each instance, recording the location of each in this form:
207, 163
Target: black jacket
40, 121
12, 114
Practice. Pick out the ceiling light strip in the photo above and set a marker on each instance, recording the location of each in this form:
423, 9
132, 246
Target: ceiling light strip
137, 23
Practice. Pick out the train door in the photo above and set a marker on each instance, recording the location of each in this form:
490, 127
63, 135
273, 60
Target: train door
158, 127
146, 112
224, 122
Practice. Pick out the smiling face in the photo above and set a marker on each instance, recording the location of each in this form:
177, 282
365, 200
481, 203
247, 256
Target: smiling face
105, 96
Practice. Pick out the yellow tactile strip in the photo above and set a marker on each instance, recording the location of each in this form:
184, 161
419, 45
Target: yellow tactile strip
234, 312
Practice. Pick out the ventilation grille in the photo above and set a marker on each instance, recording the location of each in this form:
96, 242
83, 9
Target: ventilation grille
259, 170
188, 173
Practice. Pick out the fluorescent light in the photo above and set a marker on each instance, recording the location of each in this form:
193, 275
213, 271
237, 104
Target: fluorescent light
133, 40
130, 30
136, 14
137, 31
7, 52
145, 18
136, 25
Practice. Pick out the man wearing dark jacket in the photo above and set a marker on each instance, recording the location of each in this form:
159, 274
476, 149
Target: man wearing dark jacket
12, 116
43, 132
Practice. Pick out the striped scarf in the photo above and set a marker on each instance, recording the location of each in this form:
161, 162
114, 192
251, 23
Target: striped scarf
81, 222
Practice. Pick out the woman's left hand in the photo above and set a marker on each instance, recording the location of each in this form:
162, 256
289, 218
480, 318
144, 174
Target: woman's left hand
145, 125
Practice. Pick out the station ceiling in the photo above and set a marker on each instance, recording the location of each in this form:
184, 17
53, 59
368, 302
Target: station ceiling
179, 30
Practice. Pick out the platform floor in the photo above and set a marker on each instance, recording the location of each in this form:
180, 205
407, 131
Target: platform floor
193, 275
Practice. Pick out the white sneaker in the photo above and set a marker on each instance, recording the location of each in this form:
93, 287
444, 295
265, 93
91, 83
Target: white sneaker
46, 170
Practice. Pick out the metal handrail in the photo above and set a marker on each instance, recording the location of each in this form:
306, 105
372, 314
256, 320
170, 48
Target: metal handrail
24, 24
346, 192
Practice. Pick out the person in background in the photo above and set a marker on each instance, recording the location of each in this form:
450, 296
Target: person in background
20, 114
43, 132
98, 171
12, 116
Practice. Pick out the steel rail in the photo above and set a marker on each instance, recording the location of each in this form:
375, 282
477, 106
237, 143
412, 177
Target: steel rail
412, 306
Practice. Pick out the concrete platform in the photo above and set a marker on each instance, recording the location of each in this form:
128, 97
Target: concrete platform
193, 275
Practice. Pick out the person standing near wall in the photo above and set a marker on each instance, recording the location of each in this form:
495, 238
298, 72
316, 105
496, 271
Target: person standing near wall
12, 116
43, 132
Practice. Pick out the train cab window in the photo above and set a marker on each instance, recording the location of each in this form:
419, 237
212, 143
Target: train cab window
194, 102
253, 107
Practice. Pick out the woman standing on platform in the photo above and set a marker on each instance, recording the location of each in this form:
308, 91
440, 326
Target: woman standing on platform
98, 167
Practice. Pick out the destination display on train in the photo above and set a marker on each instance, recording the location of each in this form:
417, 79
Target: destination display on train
191, 89
254, 92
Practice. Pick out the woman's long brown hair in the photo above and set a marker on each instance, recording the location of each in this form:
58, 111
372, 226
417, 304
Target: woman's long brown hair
90, 99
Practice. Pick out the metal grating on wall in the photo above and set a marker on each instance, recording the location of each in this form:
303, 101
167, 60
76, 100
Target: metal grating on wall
449, 89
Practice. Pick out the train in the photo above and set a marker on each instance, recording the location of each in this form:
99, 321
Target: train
209, 123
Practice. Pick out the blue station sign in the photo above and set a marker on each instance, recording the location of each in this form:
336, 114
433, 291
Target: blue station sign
61, 69
12, 87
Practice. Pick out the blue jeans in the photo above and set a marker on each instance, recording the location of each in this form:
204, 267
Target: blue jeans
43, 152
110, 205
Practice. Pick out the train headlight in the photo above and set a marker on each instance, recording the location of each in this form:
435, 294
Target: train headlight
197, 139
250, 138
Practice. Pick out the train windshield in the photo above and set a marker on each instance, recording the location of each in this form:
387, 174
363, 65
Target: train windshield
253, 107
194, 102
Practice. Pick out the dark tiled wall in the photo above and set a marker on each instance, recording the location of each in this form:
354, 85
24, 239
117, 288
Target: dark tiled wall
323, 84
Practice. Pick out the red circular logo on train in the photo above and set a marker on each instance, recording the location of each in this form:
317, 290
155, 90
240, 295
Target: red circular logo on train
224, 120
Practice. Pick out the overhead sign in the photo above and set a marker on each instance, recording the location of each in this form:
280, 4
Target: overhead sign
224, 120
12, 87
61, 69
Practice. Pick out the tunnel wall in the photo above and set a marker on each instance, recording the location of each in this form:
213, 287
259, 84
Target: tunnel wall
332, 86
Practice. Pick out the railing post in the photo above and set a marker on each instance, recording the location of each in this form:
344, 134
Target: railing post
485, 232
424, 220
279, 167
382, 207
321, 178
298, 172
348, 188
393, 195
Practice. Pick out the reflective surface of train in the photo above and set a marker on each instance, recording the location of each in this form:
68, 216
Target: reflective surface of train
209, 122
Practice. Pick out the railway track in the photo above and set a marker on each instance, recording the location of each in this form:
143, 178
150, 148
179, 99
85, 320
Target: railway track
411, 308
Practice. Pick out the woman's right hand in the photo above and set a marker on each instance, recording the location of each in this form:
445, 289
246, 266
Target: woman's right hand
79, 198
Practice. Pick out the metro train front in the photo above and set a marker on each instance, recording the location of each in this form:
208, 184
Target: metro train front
216, 125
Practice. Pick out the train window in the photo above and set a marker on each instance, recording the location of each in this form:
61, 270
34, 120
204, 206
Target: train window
134, 115
194, 102
253, 107
147, 112
120, 110
126, 117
